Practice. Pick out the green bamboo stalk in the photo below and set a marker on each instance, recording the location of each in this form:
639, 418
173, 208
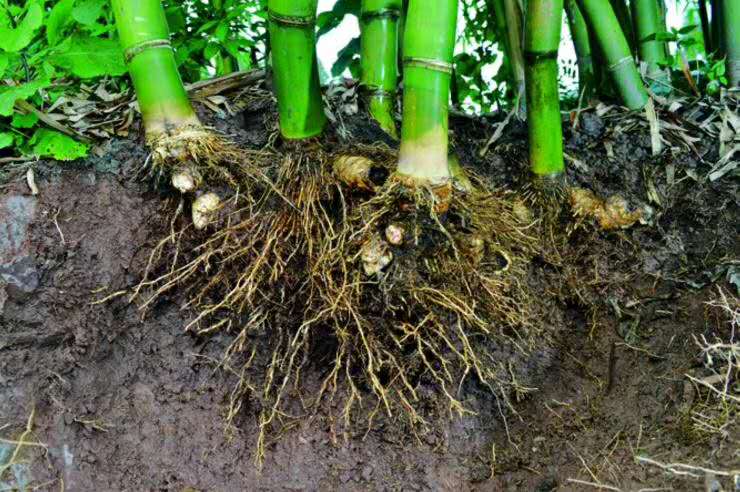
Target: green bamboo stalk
507, 19
144, 37
541, 41
581, 40
706, 30
429, 42
379, 59
601, 18
717, 37
622, 11
648, 23
296, 74
731, 37
514, 31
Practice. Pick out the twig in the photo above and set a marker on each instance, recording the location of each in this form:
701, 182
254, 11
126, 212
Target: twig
56, 223
595, 485
683, 469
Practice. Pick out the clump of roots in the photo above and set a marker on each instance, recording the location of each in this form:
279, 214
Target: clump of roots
285, 271
194, 154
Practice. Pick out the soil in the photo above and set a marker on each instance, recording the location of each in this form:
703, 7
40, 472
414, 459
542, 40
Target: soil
125, 403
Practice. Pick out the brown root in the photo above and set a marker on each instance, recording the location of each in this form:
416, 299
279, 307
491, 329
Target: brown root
381, 292
190, 155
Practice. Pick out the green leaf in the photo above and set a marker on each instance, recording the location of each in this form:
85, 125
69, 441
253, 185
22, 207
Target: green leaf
6, 139
88, 11
345, 57
88, 57
49, 143
24, 120
3, 63
14, 40
10, 94
58, 19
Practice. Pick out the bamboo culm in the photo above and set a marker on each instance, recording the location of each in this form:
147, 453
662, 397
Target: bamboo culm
581, 40
706, 30
295, 67
731, 37
623, 13
648, 21
603, 22
145, 39
541, 42
429, 41
379, 23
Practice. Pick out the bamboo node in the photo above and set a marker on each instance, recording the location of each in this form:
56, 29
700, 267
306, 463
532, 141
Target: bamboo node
385, 13
291, 20
620, 63
132, 51
428, 63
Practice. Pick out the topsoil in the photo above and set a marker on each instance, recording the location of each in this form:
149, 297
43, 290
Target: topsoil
125, 403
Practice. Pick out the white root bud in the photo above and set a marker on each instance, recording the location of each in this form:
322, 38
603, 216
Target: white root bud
375, 255
394, 234
204, 209
183, 181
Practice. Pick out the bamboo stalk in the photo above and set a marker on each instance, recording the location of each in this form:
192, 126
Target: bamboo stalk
601, 18
144, 37
542, 39
648, 23
429, 41
296, 75
623, 13
731, 37
507, 19
379, 59
717, 37
706, 30
581, 40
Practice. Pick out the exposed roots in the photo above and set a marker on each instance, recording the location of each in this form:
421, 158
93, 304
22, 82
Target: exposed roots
283, 269
197, 152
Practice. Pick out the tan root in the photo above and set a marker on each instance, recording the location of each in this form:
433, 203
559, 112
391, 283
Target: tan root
378, 291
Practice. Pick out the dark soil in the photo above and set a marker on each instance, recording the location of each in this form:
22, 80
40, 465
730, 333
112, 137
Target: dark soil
124, 403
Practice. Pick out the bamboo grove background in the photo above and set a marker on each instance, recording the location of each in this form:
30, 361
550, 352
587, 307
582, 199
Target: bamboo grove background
52, 51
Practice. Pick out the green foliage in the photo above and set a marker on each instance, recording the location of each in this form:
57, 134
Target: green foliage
45, 51
218, 36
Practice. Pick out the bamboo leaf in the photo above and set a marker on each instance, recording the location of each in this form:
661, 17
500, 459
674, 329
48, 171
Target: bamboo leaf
88, 57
